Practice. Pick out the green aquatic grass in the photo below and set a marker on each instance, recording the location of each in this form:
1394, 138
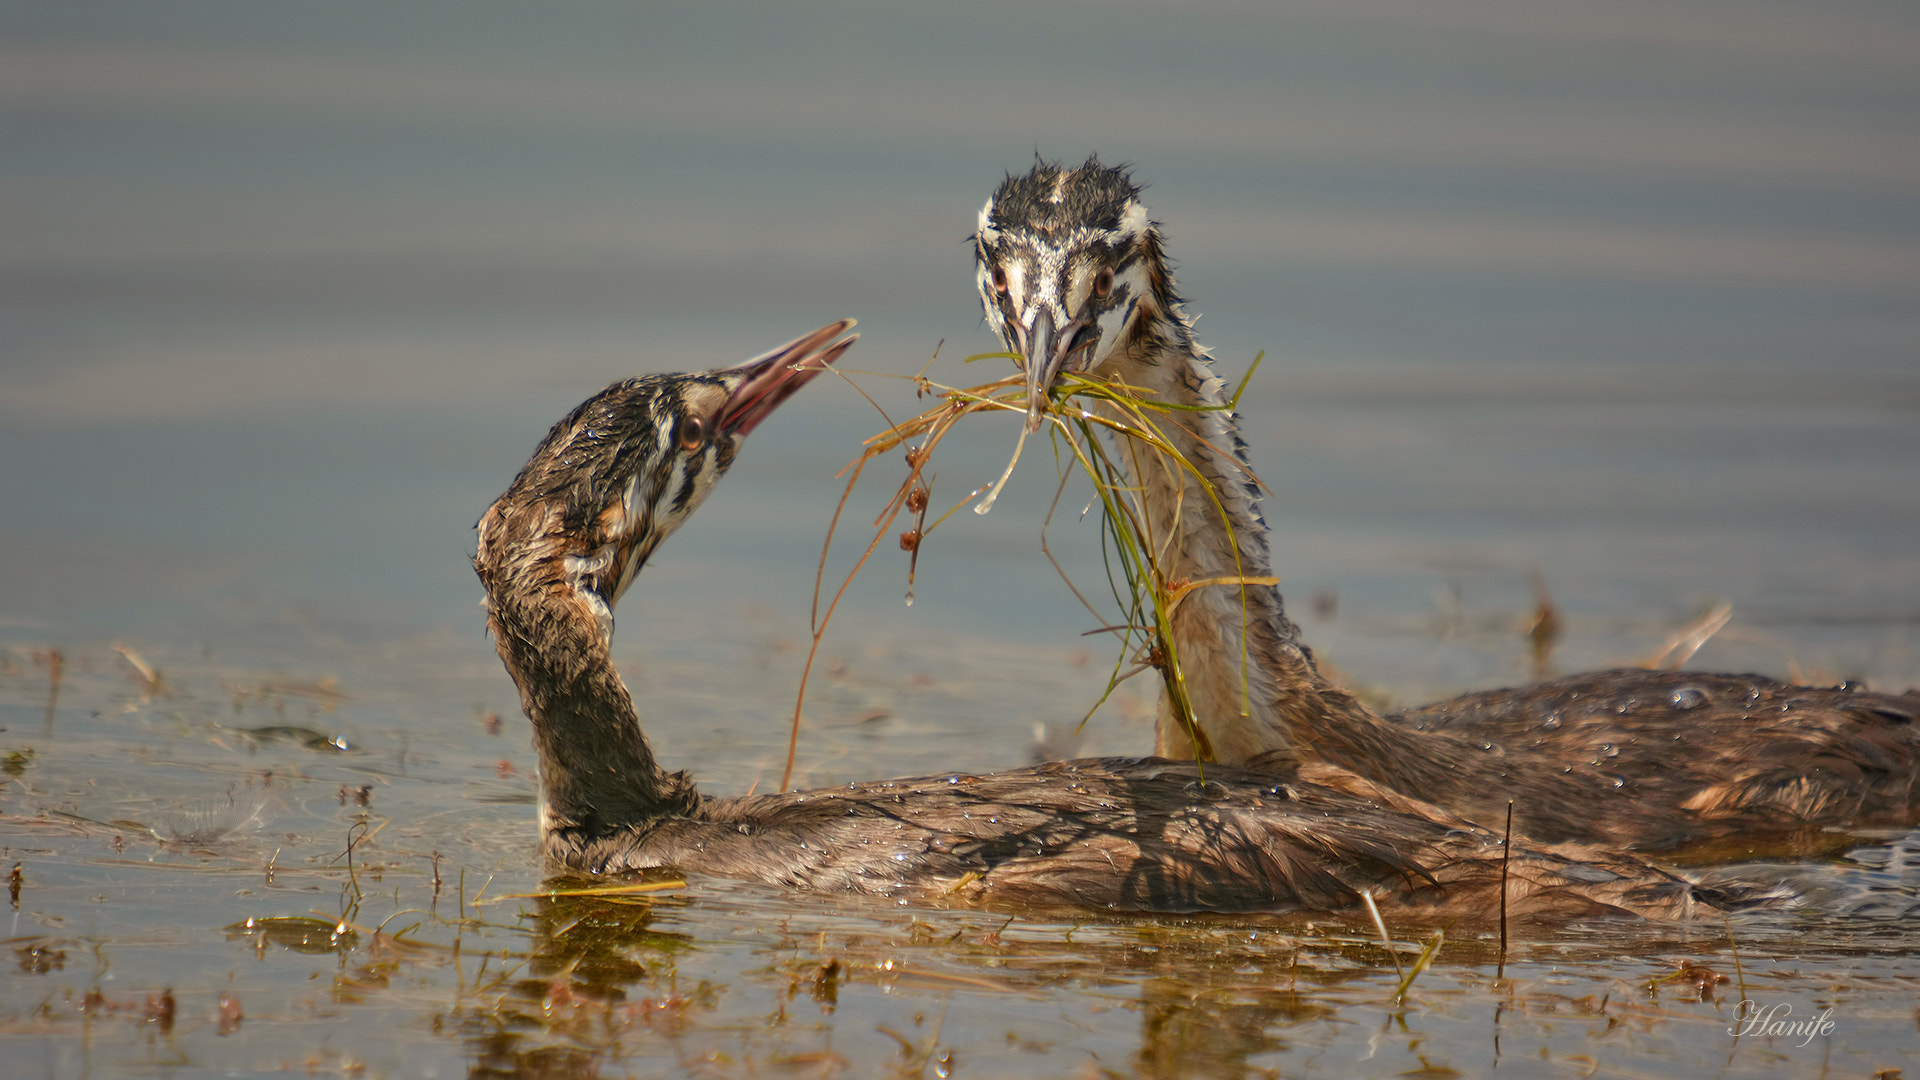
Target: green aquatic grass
1140, 579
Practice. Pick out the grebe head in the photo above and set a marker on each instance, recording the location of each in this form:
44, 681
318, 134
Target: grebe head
620, 473
1069, 269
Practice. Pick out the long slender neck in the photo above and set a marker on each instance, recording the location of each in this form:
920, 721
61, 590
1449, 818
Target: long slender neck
597, 771
1252, 684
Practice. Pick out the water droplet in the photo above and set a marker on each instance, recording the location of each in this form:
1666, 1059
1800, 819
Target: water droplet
1688, 697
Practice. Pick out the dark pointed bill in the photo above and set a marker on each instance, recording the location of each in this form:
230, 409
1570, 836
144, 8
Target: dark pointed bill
1042, 366
1047, 351
773, 378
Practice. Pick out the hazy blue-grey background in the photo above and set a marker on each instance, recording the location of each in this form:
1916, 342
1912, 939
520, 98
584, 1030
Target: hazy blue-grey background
1624, 292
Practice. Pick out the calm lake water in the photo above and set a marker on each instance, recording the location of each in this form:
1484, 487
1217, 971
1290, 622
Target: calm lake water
1624, 297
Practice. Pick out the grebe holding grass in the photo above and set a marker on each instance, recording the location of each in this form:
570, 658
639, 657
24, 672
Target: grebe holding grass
1073, 277
616, 476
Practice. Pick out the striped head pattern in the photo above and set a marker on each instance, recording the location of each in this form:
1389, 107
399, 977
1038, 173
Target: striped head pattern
626, 468
1070, 268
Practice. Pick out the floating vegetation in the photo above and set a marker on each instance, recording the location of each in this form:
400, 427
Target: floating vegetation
307, 934
617, 891
1699, 981
152, 683
317, 741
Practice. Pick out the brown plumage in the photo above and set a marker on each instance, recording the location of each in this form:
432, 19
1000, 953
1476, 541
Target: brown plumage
611, 480
1663, 759
1073, 275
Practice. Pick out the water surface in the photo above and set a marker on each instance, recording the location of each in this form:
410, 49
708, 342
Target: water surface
1624, 298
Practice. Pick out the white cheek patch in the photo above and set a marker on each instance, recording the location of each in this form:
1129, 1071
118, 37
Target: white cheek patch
675, 478
667, 515
1134, 281
1113, 326
704, 479
989, 299
1113, 323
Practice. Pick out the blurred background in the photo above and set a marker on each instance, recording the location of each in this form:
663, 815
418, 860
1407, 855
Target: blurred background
1624, 295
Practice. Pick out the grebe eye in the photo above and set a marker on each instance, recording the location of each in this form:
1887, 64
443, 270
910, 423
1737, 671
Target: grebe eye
1103, 284
999, 280
693, 433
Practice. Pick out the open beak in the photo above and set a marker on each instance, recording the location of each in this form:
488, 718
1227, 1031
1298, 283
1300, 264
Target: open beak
1047, 349
773, 378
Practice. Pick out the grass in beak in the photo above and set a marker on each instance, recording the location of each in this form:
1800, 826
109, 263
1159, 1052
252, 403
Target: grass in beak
1138, 551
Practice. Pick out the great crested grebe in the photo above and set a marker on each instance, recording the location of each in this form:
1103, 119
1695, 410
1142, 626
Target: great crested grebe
1073, 277
621, 472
